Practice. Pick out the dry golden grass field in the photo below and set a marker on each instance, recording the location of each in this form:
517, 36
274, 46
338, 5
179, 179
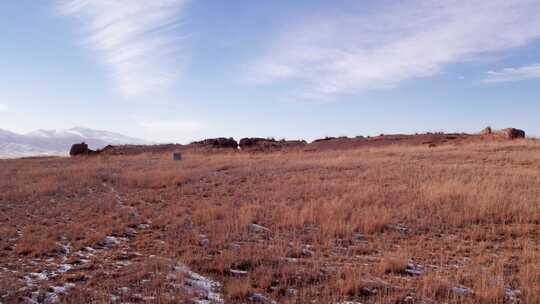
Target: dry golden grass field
396, 224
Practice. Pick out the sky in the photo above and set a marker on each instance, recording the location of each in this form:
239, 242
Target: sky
181, 70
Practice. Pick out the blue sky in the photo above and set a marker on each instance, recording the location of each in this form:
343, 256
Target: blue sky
179, 70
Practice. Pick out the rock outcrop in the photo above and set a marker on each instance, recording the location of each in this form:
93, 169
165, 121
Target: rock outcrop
80, 149
511, 133
219, 143
486, 131
269, 144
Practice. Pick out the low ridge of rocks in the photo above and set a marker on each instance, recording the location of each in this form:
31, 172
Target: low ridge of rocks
512, 133
508, 133
258, 144
269, 144
217, 143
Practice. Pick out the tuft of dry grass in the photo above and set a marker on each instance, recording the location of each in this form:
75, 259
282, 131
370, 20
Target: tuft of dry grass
37, 241
238, 289
529, 274
394, 263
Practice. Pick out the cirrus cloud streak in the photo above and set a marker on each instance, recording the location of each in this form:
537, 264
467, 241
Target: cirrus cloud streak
513, 74
343, 52
137, 39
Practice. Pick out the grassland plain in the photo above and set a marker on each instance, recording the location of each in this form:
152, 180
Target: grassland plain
397, 224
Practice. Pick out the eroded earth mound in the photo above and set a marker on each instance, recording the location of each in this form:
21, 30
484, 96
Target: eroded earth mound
139, 149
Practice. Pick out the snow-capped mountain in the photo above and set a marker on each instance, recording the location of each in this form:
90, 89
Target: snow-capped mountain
7, 135
58, 142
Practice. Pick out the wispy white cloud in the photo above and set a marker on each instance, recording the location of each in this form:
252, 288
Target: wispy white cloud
137, 39
513, 74
340, 53
3, 107
182, 126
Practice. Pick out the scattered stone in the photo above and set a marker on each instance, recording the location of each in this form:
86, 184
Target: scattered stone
143, 226
39, 276
121, 264
259, 229
236, 272
66, 249
89, 249
204, 242
307, 252
292, 292
64, 268
462, 290
398, 227
512, 295
125, 290
290, 260
259, 298
359, 237
130, 232
409, 299
414, 269
110, 241
375, 286
234, 246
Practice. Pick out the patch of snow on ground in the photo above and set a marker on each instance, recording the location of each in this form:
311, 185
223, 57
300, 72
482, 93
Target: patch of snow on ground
110, 241
259, 298
201, 286
52, 297
39, 276
64, 268
512, 295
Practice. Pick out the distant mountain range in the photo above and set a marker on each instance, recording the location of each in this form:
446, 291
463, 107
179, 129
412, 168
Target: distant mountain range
58, 142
